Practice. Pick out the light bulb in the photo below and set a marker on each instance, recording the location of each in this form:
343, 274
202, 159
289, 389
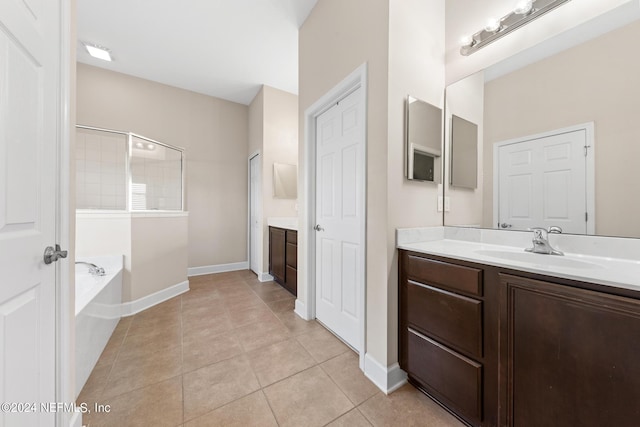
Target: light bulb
151, 146
492, 25
523, 7
466, 40
139, 145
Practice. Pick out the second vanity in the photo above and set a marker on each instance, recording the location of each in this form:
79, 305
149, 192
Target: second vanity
502, 337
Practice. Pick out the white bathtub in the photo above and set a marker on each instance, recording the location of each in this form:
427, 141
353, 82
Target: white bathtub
98, 310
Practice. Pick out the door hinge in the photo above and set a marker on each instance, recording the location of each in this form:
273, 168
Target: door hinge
586, 217
586, 150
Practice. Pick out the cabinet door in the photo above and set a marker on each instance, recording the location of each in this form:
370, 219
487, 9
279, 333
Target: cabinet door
277, 254
571, 355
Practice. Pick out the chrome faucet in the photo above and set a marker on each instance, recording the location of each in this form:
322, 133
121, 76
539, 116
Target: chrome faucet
93, 269
541, 241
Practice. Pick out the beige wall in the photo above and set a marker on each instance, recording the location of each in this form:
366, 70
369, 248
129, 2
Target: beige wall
416, 67
402, 43
596, 81
273, 130
214, 133
158, 254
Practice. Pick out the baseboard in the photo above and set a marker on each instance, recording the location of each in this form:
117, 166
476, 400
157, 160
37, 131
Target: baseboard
133, 307
220, 268
388, 379
265, 277
301, 309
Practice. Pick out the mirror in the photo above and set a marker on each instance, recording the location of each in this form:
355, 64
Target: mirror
285, 181
558, 139
423, 141
464, 153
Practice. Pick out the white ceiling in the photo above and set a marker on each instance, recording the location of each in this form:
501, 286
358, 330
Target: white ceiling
221, 48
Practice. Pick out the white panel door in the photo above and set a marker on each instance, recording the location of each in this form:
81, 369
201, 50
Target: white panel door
254, 213
542, 182
340, 211
29, 117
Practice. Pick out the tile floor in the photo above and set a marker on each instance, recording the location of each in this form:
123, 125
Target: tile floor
231, 352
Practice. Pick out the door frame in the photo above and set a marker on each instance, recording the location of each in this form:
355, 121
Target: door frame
307, 241
590, 207
259, 213
65, 223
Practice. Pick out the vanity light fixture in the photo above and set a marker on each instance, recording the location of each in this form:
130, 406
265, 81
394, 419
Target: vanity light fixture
98, 51
524, 12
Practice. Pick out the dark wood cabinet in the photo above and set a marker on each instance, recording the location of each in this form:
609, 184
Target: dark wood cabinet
572, 355
283, 257
501, 347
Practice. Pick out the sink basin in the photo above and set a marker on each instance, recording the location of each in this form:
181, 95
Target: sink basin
540, 260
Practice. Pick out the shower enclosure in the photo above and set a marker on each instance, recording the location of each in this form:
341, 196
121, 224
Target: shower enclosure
118, 170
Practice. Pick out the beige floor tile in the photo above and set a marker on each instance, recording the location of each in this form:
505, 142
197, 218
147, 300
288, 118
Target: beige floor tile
308, 398
206, 348
352, 418
257, 335
164, 309
156, 405
93, 388
215, 385
407, 407
235, 289
154, 325
250, 315
286, 305
208, 325
322, 345
296, 324
344, 370
252, 410
113, 346
141, 345
274, 294
243, 302
279, 361
142, 370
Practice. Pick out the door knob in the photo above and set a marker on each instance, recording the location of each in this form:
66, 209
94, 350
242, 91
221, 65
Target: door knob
53, 255
505, 225
318, 228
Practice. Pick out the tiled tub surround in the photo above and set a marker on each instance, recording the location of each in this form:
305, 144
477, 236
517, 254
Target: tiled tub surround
606, 261
232, 352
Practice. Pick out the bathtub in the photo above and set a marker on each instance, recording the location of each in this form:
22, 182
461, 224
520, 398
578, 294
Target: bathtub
98, 310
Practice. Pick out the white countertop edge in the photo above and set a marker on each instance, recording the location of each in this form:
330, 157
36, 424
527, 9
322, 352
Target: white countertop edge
618, 273
289, 223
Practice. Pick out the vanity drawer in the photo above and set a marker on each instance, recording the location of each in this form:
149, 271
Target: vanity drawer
292, 237
448, 376
453, 319
450, 276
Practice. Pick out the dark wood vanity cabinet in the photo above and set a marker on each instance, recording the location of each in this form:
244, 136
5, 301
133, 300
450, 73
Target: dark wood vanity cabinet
442, 325
283, 257
499, 347
572, 355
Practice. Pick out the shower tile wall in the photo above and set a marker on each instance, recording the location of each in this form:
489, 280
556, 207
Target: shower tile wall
100, 170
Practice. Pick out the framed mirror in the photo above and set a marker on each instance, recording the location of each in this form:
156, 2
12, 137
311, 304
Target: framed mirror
285, 181
423, 141
558, 135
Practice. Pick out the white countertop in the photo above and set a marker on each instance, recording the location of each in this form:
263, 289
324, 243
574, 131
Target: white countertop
290, 223
616, 272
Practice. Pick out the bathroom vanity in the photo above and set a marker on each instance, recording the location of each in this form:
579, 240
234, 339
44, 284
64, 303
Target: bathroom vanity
283, 256
503, 337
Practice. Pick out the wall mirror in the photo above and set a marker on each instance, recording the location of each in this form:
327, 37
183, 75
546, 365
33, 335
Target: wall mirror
558, 136
285, 181
423, 132
464, 153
